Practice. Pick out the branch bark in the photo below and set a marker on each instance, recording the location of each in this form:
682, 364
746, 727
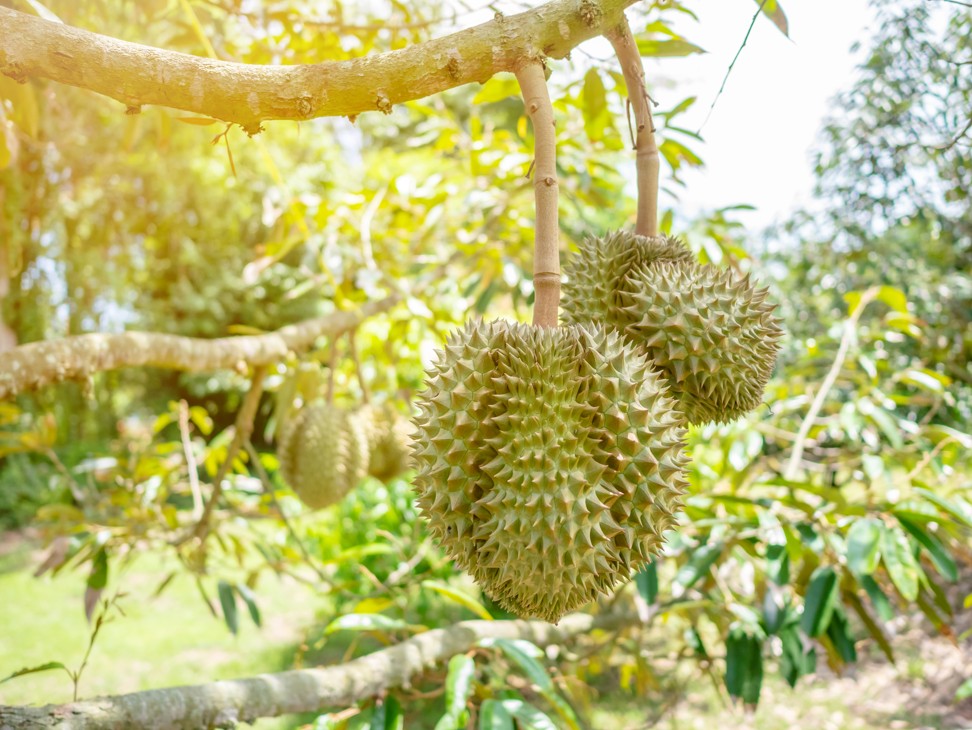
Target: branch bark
38, 364
248, 94
546, 246
225, 703
647, 160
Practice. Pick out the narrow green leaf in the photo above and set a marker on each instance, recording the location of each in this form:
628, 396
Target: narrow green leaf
795, 662
894, 298
530, 717
494, 716
863, 546
98, 577
778, 564
594, 97
666, 48
459, 681
839, 632
964, 691
499, 87
463, 599
772, 10
819, 602
900, 563
882, 605
959, 512
366, 622
873, 629
250, 600
227, 600
519, 652
744, 666
646, 581
943, 561
34, 670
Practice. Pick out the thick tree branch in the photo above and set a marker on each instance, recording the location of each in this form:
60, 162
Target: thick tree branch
546, 247
249, 94
37, 364
222, 704
647, 160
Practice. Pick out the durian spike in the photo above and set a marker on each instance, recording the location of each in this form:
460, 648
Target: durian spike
546, 247
647, 160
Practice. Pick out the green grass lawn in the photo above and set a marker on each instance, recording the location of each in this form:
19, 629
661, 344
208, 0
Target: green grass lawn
169, 640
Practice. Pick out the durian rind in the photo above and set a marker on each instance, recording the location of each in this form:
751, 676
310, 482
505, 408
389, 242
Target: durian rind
550, 462
323, 454
389, 438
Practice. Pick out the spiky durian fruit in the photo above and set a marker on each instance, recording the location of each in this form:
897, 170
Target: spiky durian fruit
389, 441
596, 275
549, 460
323, 453
709, 330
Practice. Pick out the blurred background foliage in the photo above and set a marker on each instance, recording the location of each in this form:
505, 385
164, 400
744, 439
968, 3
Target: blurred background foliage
802, 538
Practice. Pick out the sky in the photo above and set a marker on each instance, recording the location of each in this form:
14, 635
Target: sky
759, 137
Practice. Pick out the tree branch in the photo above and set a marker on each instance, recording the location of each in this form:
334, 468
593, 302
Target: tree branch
38, 364
647, 160
222, 704
546, 246
248, 94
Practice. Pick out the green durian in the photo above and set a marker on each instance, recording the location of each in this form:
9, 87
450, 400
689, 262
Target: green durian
389, 441
323, 454
550, 462
711, 331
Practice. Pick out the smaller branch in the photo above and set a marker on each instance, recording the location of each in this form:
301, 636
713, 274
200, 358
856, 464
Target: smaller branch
241, 433
356, 361
546, 254
37, 364
197, 500
850, 327
647, 158
732, 65
955, 140
268, 488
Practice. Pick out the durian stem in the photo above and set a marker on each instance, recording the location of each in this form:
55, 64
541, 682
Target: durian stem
546, 251
332, 359
353, 352
647, 160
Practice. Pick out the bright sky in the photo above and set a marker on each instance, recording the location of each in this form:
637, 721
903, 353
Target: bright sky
759, 137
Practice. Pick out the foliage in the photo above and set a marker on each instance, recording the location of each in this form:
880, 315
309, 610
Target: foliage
799, 541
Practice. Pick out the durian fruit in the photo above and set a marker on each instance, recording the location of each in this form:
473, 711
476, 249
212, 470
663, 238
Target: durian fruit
711, 331
389, 441
323, 453
550, 462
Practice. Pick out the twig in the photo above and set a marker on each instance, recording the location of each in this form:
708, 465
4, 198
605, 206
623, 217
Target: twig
647, 158
546, 254
197, 500
850, 327
353, 352
959, 136
268, 488
929, 456
242, 430
731, 65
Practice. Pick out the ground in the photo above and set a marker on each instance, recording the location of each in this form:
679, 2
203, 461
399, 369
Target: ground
173, 639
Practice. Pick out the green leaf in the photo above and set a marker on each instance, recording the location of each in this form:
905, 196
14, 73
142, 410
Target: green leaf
666, 48
366, 622
250, 600
839, 632
530, 717
462, 670
387, 715
894, 298
778, 564
959, 512
646, 581
900, 563
882, 605
794, 661
873, 629
940, 556
772, 10
227, 600
595, 105
698, 564
863, 546
34, 670
493, 715
922, 379
744, 666
819, 603
41, 10
964, 691
521, 653
499, 87
463, 599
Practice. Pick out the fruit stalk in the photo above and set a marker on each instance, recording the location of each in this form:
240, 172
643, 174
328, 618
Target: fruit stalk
647, 160
546, 252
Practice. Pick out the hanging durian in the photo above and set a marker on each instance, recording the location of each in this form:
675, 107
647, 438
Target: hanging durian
389, 441
710, 330
323, 453
549, 462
